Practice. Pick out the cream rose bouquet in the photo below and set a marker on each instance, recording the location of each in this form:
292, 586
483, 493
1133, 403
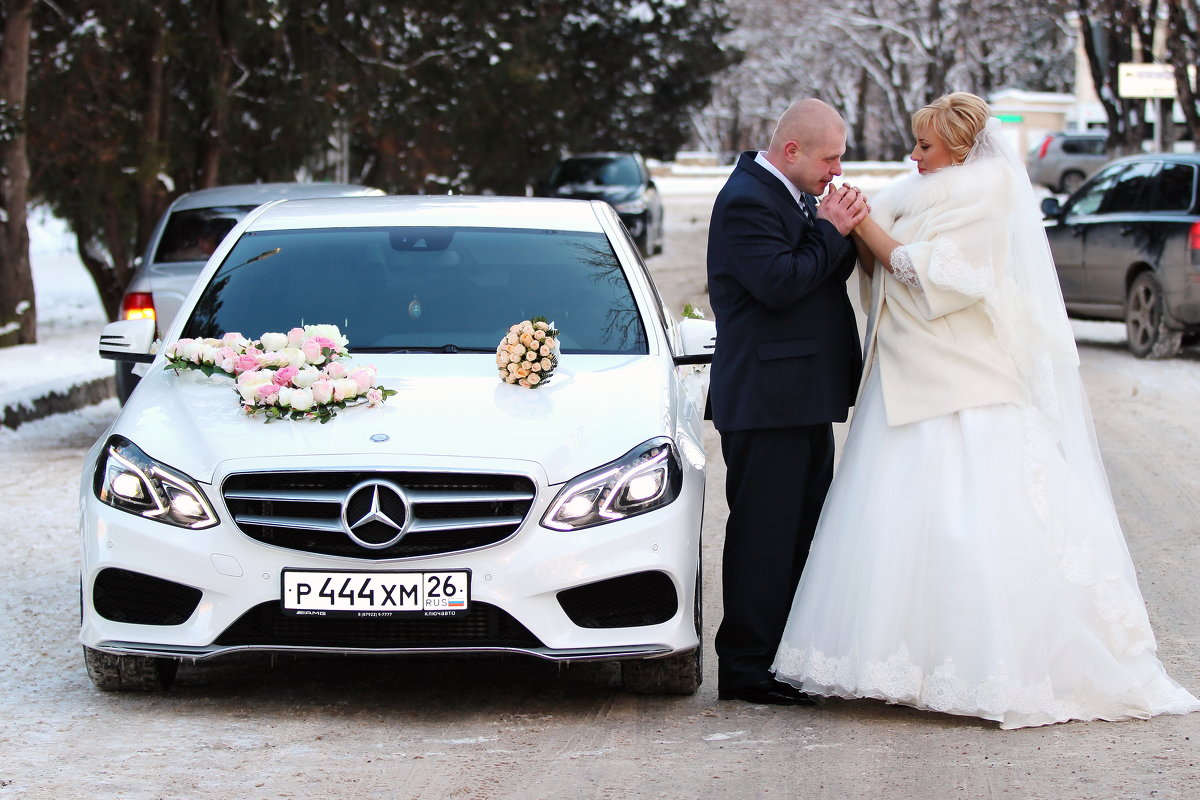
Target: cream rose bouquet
293, 375
528, 353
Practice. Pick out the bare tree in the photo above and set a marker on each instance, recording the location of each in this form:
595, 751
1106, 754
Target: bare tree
1116, 32
18, 314
877, 61
1183, 51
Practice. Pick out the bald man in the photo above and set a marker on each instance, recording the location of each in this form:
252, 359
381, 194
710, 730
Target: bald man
786, 367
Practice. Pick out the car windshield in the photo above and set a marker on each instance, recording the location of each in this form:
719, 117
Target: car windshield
601, 170
193, 234
424, 289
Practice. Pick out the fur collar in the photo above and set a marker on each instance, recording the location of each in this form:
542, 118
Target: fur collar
962, 185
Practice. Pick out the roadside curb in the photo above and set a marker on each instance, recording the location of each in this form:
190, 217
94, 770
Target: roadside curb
85, 393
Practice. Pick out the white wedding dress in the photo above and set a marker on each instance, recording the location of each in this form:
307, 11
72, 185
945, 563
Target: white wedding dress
972, 563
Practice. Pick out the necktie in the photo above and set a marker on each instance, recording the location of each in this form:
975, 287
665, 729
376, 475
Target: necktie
804, 210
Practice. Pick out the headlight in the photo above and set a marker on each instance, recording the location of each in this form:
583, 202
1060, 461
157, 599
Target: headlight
128, 479
636, 206
645, 478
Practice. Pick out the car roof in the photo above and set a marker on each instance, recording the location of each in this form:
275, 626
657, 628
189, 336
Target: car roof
604, 154
1181, 158
255, 194
531, 213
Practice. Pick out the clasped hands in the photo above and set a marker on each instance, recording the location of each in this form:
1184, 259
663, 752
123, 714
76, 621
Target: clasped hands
844, 207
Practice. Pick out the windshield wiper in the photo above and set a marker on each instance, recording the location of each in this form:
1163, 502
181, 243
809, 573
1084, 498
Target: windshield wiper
445, 348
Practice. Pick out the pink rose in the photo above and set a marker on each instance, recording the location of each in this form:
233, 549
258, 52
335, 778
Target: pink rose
284, 376
334, 370
295, 337
246, 363
322, 391
268, 394
364, 377
312, 351
374, 397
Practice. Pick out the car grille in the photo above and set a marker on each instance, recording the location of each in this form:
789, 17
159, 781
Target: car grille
644, 598
485, 626
124, 596
446, 512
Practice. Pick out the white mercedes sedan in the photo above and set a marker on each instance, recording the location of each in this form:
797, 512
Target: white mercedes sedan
456, 511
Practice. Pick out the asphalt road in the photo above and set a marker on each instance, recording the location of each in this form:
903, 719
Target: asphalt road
520, 728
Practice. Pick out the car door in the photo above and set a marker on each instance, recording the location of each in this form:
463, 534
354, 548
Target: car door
1115, 236
1068, 235
1164, 236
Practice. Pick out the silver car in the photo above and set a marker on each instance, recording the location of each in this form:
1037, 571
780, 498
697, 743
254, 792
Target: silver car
1063, 161
186, 234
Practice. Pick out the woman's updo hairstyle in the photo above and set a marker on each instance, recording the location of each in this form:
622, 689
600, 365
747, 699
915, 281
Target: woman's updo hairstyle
957, 118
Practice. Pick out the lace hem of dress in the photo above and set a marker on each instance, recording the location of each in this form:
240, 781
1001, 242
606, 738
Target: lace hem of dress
999, 697
903, 269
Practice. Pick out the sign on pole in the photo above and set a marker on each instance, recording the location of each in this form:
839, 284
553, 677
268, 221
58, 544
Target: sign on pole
1146, 81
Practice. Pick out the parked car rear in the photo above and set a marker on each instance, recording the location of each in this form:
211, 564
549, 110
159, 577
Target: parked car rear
186, 234
1127, 247
1063, 161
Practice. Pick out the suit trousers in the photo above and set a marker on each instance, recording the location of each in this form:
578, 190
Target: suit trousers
776, 482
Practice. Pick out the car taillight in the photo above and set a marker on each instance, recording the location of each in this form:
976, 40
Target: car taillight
138, 305
1194, 238
1045, 146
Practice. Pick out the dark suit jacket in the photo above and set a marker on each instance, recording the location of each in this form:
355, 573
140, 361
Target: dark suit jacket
788, 352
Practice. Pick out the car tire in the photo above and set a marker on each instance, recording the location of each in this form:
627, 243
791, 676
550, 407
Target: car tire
1070, 181
1149, 335
114, 673
681, 673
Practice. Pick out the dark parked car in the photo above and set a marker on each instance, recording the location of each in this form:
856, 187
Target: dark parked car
1127, 247
186, 234
620, 179
1063, 161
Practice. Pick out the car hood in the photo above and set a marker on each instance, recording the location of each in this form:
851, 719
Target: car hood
448, 408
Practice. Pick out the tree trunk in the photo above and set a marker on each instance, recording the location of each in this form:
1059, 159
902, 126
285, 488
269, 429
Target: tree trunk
18, 311
1183, 49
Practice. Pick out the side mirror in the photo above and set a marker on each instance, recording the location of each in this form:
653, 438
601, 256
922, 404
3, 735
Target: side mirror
128, 340
699, 341
1050, 207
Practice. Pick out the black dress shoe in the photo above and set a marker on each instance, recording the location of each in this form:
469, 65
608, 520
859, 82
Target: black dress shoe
769, 692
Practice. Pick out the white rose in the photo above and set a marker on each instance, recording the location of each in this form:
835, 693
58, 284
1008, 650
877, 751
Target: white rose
301, 399
248, 383
192, 350
274, 341
306, 377
345, 389
330, 332
294, 356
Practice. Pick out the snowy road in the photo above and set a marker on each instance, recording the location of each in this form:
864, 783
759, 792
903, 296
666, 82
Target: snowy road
513, 728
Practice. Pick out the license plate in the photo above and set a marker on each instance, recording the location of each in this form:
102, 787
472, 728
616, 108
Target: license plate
376, 594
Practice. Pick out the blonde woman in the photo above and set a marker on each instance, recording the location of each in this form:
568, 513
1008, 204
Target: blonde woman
968, 559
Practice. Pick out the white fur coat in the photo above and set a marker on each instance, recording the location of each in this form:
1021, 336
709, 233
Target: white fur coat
935, 345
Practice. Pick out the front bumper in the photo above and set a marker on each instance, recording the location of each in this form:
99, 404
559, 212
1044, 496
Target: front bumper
235, 587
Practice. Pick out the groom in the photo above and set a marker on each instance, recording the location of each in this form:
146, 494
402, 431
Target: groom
787, 366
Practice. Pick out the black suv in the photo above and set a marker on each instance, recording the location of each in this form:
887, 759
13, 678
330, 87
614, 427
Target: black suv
620, 179
1127, 247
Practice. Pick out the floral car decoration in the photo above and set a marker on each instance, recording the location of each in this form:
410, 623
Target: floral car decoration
295, 375
528, 354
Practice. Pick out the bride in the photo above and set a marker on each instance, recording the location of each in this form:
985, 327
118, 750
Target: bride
968, 559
